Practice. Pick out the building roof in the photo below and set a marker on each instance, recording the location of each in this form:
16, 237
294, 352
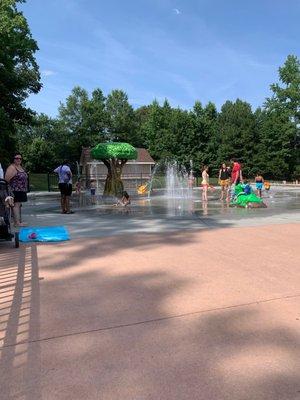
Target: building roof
143, 156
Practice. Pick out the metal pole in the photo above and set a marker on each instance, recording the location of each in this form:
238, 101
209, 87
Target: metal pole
28, 183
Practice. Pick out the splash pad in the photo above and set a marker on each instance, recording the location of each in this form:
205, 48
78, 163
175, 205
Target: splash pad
171, 192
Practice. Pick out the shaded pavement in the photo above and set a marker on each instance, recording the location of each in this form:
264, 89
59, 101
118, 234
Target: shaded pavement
189, 314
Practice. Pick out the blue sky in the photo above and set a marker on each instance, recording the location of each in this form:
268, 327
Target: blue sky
182, 50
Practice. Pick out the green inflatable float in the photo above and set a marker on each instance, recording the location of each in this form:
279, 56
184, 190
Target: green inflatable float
244, 197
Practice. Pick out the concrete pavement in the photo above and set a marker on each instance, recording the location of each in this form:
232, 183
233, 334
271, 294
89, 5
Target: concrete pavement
210, 313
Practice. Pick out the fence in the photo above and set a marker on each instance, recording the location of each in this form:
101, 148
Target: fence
130, 180
49, 182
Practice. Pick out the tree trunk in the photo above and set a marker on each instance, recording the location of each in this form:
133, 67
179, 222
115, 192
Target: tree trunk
113, 184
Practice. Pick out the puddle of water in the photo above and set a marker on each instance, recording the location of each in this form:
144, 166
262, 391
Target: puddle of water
278, 200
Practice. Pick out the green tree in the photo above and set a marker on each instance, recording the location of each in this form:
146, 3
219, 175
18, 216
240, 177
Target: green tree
19, 73
285, 102
114, 155
40, 157
182, 136
7, 138
42, 143
286, 95
121, 118
141, 115
204, 139
83, 120
157, 131
274, 158
238, 131
96, 118
211, 125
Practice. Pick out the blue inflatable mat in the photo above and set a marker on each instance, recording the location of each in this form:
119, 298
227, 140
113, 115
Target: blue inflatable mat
44, 234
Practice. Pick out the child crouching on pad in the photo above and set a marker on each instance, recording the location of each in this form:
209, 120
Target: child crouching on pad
125, 200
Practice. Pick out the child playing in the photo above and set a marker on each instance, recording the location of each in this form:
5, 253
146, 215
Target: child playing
247, 188
125, 200
205, 183
93, 187
191, 180
78, 186
259, 182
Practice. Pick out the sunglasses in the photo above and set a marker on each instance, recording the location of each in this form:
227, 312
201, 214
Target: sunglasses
18, 158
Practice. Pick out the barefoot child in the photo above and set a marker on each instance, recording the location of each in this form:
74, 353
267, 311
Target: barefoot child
205, 183
259, 182
125, 200
224, 181
78, 186
93, 187
191, 180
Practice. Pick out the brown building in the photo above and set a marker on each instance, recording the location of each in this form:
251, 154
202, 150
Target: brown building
134, 173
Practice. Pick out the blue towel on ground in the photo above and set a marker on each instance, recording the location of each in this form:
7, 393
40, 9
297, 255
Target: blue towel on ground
44, 234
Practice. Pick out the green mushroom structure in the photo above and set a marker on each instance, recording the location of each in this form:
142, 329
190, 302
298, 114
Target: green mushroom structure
114, 155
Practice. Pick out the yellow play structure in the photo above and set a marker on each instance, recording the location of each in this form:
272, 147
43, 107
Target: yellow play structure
267, 185
142, 189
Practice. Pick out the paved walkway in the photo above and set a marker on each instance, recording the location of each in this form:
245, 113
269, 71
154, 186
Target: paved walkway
208, 314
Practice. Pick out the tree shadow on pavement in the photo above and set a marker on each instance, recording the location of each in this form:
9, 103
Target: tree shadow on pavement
86, 332
19, 322
67, 257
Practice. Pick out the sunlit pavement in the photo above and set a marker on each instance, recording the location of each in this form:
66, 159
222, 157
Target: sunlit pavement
163, 307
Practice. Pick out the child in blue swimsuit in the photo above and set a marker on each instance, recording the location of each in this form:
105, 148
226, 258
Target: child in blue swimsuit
259, 182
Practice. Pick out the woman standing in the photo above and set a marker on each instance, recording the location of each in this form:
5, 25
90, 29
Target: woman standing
17, 179
205, 183
224, 180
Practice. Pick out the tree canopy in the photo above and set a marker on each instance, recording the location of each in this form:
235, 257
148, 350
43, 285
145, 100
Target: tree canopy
84, 120
284, 108
19, 72
121, 122
287, 94
266, 139
238, 133
114, 150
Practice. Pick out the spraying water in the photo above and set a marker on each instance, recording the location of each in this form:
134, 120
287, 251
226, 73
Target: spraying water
176, 181
93, 174
153, 173
171, 180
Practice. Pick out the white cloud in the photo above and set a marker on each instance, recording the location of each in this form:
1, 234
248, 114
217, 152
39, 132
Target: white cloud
176, 11
47, 72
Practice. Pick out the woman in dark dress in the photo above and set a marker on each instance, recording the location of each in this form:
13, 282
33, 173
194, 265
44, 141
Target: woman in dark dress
17, 179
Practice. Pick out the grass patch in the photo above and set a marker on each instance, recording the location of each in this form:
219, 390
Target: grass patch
39, 183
